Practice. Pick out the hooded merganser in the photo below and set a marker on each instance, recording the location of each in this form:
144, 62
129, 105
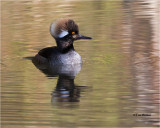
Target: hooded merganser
65, 32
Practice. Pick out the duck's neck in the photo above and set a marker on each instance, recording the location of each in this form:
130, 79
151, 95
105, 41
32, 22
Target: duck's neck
65, 46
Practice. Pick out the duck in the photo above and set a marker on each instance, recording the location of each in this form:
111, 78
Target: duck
65, 31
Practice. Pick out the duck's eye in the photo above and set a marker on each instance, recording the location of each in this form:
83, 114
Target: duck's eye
73, 33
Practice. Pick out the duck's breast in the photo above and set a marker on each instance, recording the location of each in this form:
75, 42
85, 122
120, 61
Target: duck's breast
71, 57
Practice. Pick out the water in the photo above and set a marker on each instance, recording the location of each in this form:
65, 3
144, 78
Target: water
118, 78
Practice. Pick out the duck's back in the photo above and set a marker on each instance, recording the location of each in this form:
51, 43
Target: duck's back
53, 56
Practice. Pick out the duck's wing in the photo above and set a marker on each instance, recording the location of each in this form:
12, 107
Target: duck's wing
43, 55
47, 52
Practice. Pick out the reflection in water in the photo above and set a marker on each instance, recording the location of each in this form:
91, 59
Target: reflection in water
141, 49
66, 90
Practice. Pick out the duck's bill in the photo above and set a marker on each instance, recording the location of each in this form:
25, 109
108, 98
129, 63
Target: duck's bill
82, 37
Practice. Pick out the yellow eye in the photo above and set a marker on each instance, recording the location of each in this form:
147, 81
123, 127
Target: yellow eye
73, 33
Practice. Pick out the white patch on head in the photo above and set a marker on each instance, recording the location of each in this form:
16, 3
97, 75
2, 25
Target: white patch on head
63, 34
52, 29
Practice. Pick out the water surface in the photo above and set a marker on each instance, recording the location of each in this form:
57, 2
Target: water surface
118, 78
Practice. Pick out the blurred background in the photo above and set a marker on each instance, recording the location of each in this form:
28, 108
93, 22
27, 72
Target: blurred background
119, 75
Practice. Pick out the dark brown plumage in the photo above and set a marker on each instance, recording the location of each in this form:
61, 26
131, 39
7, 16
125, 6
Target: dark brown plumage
63, 25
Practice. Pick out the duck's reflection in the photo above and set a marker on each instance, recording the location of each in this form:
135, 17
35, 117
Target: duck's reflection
66, 90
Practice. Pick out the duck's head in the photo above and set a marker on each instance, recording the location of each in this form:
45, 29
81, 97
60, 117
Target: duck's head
65, 31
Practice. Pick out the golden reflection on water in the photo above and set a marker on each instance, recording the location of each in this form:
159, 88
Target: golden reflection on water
119, 72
